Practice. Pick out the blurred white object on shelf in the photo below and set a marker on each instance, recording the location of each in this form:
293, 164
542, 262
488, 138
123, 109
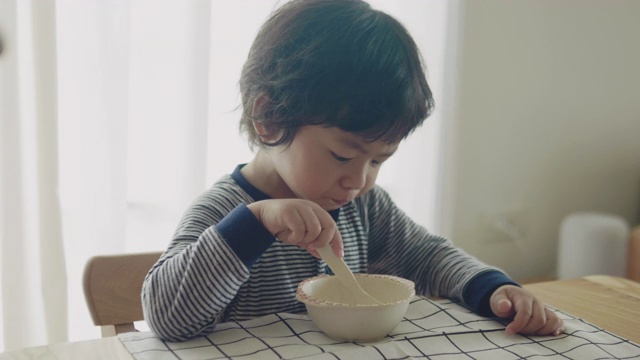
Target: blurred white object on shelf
592, 243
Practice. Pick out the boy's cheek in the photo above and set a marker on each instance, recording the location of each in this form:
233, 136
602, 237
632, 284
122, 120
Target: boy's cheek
365, 190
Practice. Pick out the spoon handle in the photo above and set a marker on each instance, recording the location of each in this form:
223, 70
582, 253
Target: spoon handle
342, 271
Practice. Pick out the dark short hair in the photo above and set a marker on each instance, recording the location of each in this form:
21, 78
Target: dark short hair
334, 63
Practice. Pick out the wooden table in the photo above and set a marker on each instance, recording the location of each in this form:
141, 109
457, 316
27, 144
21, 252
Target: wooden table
109, 348
611, 303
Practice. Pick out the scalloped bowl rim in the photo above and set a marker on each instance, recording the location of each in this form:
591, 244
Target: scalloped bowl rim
307, 299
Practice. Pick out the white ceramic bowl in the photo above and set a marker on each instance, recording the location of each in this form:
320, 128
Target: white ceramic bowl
334, 309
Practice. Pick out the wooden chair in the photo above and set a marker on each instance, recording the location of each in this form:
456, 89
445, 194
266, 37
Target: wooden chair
112, 286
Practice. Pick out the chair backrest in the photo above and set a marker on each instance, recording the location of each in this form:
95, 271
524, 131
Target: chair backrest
112, 286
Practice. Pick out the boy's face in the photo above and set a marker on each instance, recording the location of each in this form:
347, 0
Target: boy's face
329, 166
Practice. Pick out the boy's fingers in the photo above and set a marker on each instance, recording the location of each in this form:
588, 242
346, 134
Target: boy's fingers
519, 322
538, 319
529, 315
330, 237
313, 228
501, 305
504, 308
553, 326
323, 239
327, 225
284, 235
523, 313
294, 226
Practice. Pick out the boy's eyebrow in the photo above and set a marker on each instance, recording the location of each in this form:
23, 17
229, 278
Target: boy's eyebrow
358, 146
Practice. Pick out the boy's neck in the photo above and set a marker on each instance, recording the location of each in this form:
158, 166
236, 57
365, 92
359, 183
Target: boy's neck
261, 174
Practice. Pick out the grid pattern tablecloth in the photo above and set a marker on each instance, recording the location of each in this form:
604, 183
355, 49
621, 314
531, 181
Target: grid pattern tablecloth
430, 330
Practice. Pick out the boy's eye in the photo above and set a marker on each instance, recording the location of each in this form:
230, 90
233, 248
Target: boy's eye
376, 163
341, 159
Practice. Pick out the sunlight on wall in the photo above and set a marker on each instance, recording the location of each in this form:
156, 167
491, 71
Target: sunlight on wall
233, 29
411, 175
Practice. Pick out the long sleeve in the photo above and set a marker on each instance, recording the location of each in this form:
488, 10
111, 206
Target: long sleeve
222, 264
399, 246
217, 242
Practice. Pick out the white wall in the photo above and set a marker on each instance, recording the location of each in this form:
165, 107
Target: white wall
547, 122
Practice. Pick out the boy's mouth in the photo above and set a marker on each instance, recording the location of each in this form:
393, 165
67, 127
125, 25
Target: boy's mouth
339, 203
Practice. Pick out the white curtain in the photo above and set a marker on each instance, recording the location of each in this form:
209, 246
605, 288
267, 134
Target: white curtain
115, 115
33, 291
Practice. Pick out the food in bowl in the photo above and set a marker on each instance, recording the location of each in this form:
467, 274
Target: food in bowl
334, 309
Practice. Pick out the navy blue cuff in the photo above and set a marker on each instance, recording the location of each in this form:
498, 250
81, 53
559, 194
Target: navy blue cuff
478, 292
245, 235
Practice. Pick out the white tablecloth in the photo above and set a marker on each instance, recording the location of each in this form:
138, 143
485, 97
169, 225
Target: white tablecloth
430, 330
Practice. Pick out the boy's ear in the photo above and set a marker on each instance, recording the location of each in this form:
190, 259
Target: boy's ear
266, 132
261, 129
261, 101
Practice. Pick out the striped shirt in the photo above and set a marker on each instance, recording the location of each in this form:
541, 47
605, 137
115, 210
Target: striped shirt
222, 264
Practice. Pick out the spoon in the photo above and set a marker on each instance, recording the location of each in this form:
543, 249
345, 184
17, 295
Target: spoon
344, 274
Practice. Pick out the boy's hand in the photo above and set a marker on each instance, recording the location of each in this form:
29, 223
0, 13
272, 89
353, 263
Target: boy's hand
299, 222
529, 315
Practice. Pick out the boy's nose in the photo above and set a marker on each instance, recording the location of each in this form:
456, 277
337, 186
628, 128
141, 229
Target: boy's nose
355, 179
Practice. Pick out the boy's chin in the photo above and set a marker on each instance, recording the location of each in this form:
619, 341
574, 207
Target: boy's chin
331, 208
333, 204
326, 204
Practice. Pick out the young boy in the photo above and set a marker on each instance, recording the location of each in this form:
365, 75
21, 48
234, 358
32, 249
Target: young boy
329, 90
